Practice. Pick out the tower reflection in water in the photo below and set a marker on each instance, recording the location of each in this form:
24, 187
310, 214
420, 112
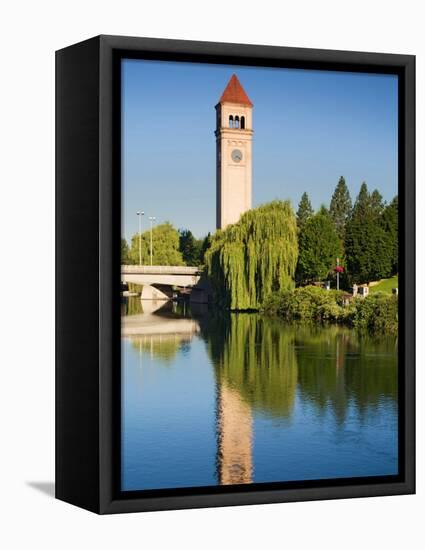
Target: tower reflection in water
256, 370
234, 437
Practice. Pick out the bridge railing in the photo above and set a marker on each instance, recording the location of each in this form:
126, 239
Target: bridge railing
161, 269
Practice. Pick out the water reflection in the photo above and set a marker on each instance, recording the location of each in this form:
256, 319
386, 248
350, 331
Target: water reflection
161, 347
256, 368
270, 392
234, 437
161, 331
341, 367
254, 356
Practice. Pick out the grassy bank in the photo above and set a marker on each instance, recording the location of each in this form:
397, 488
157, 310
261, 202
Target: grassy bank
378, 313
385, 285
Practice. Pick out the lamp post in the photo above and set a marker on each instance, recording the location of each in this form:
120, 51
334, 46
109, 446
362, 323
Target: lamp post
338, 269
151, 219
337, 274
140, 214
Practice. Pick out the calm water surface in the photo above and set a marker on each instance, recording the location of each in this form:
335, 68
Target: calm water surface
211, 400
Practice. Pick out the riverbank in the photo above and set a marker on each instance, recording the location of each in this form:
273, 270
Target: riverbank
377, 313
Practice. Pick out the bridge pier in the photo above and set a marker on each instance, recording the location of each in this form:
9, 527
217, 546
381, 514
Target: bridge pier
167, 277
152, 293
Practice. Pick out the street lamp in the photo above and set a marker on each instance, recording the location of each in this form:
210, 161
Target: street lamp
140, 214
151, 219
338, 269
337, 274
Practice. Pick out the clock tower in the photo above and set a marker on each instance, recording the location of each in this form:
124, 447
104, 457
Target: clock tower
234, 154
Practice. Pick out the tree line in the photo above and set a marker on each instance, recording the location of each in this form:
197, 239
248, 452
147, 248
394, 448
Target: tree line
170, 247
364, 237
272, 249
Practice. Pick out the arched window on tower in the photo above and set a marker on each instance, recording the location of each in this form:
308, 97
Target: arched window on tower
242, 122
236, 121
231, 121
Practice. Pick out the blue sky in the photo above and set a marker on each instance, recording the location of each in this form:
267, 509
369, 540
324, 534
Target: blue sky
310, 127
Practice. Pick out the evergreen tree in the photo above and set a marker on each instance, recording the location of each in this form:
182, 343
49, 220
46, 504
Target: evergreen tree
206, 244
362, 204
390, 225
305, 210
189, 247
367, 244
376, 202
340, 207
319, 246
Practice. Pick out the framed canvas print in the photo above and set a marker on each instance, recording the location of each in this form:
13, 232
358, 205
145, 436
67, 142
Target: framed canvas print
235, 274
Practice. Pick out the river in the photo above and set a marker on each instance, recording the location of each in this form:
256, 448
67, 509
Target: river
212, 399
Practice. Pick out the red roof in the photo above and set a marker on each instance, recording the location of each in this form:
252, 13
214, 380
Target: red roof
234, 93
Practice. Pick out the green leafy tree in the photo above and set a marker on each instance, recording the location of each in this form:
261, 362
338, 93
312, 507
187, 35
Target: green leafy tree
125, 260
305, 210
189, 247
319, 246
340, 207
165, 246
198, 246
367, 244
254, 257
206, 244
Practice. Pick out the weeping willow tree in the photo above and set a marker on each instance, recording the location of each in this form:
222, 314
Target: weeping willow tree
254, 257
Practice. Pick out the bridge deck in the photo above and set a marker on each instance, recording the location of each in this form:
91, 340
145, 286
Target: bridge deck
160, 270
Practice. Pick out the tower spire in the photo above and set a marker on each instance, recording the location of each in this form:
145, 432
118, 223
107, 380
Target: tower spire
234, 93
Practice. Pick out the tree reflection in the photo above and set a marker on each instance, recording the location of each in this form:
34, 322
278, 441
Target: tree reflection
256, 369
131, 305
260, 364
338, 368
257, 358
160, 346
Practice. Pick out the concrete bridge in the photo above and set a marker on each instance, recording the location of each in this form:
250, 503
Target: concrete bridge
163, 275
171, 275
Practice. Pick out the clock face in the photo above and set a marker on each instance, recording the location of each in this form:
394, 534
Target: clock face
236, 155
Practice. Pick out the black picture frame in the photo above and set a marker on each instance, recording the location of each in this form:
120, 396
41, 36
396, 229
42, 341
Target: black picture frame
88, 272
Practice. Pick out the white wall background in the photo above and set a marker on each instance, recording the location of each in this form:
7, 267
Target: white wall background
30, 32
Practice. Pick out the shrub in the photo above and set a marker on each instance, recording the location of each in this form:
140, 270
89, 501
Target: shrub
308, 303
333, 313
378, 313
